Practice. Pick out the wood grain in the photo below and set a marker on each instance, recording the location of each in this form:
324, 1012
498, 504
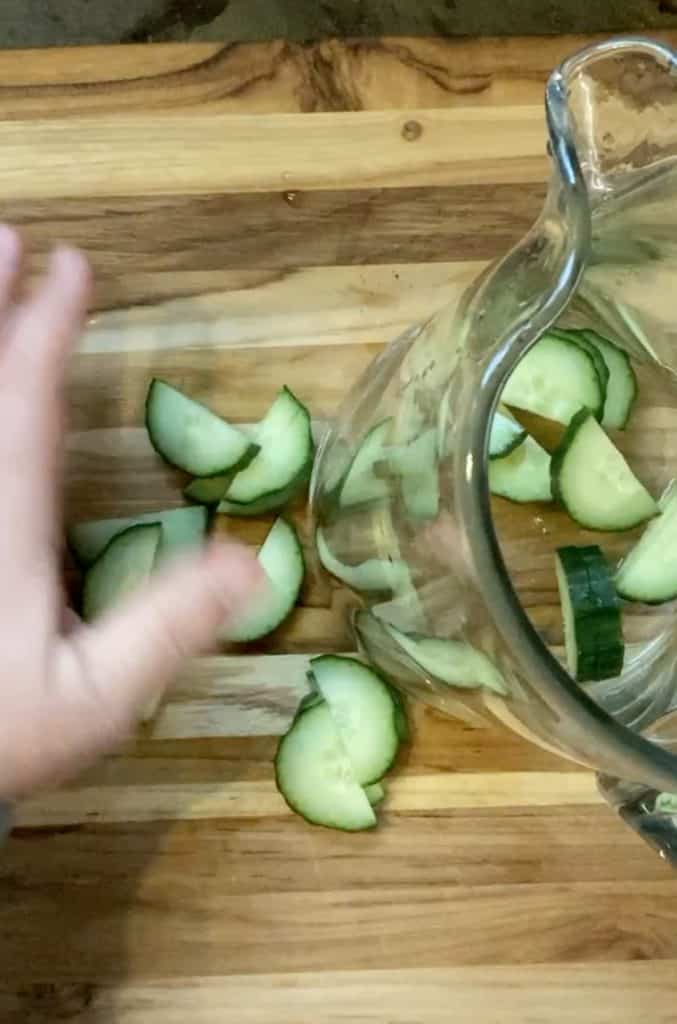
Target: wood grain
197, 153
283, 77
258, 215
619, 994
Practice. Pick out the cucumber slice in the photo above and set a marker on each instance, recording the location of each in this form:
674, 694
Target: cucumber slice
360, 484
648, 573
421, 494
181, 528
416, 465
364, 712
188, 435
523, 475
621, 382
593, 636
555, 379
285, 439
451, 661
208, 490
505, 435
314, 774
579, 338
372, 575
281, 557
401, 720
125, 563
375, 793
622, 386
269, 502
593, 481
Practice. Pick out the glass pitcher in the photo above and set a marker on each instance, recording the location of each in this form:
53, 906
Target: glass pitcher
456, 599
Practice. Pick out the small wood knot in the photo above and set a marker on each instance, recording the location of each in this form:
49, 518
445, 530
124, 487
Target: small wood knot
412, 130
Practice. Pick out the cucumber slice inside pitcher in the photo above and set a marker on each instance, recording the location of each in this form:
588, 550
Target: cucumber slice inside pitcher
594, 483
555, 379
591, 614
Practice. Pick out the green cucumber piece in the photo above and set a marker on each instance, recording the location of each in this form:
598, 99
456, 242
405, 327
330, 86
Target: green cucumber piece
314, 774
208, 490
124, 564
363, 710
281, 558
454, 662
648, 573
622, 388
505, 434
181, 528
361, 484
375, 793
594, 483
268, 502
555, 379
373, 575
416, 465
591, 614
523, 474
190, 436
401, 720
285, 439
602, 370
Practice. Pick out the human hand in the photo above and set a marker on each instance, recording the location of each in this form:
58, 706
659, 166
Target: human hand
69, 691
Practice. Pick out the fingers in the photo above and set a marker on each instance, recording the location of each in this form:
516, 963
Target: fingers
47, 324
122, 664
11, 252
39, 337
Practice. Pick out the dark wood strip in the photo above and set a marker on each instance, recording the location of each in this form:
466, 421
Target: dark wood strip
139, 246
282, 76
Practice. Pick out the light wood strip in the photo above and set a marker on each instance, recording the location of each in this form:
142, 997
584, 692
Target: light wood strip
341, 305
198, 153
259, 799
568, 993
255, 695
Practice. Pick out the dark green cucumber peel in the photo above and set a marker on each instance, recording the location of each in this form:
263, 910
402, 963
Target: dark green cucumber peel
208, 490
401, 720
592, 614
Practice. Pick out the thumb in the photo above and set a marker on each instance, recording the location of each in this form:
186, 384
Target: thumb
111, 671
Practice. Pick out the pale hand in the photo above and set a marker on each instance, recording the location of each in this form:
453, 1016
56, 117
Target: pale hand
69, 691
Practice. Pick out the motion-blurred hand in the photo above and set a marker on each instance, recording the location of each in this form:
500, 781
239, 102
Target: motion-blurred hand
69, 691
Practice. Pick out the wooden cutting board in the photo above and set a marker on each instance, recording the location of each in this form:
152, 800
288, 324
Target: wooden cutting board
259, 215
